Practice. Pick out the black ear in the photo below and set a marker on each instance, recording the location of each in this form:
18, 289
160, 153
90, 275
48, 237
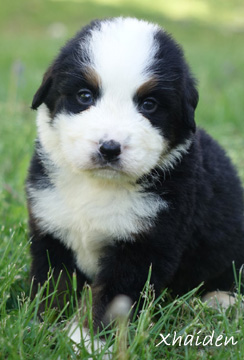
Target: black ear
43, 90
190, 102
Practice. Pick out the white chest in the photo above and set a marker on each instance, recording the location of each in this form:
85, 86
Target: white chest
87, 215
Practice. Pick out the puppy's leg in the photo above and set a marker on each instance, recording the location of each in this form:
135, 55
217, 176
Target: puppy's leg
48, 253
124, 271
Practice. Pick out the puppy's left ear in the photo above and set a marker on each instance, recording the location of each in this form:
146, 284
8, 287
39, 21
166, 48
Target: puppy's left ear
190, 102
43, 90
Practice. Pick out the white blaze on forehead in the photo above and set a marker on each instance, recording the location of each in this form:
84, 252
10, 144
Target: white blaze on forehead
121, 52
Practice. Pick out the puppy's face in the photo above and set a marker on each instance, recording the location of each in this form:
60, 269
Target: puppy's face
117, 102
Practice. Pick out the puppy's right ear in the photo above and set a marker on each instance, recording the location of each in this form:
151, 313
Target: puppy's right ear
43, 90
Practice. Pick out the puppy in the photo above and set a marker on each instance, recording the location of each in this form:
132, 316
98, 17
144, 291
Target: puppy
122, 179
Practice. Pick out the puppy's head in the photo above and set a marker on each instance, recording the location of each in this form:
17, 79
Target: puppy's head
118, 101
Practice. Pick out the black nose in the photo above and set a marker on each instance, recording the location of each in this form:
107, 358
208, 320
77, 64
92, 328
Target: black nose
110, 150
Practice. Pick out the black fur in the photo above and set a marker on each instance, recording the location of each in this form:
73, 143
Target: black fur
200, 234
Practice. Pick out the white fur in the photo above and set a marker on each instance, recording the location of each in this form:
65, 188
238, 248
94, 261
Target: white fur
169, 160
72, 140
76, 335
121, 53
88, 213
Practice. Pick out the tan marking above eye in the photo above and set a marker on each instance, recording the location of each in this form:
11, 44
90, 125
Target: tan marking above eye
146, 88
92, 77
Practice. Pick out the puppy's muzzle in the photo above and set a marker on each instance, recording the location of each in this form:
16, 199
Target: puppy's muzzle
110, 150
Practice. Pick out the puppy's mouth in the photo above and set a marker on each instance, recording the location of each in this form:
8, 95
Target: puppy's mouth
108, 166
108, 172
102, 165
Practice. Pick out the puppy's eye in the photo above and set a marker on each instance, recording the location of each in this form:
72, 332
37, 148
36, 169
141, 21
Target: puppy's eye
85, 97
149, 105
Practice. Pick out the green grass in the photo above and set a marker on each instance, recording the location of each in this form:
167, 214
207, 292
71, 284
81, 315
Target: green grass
212, 36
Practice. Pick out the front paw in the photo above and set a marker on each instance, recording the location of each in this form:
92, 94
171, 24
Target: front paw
93, 344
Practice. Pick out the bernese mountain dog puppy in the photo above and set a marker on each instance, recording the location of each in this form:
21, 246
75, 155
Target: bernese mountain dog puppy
121, 178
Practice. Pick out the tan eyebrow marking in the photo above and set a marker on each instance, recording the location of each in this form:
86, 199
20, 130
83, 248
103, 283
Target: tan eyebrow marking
145, 88
92, 77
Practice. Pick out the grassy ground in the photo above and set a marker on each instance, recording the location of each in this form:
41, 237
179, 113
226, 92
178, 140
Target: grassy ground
212, 34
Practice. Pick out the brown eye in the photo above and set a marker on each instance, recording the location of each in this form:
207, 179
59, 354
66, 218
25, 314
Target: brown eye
149, 105
85, 97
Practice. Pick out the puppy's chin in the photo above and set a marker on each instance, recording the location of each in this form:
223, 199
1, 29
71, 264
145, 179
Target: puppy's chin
109, 174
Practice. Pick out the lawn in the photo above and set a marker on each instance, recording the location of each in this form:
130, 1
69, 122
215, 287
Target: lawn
212, 34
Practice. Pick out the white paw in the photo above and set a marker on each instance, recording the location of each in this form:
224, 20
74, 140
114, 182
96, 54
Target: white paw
76, 334
215, 299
